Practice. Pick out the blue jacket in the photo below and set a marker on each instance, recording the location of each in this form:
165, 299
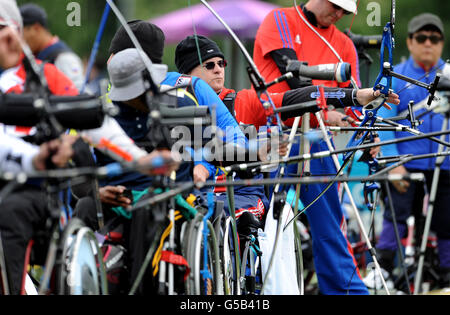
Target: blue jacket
432, 122
206, 96
226, 122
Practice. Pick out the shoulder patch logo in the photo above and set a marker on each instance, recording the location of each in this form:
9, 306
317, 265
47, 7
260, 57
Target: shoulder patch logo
183, 81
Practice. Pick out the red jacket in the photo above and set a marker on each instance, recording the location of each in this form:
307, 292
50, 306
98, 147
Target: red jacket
13, 81
248, 108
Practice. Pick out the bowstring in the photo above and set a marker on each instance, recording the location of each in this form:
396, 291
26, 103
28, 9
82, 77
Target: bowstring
194, 29
354, 16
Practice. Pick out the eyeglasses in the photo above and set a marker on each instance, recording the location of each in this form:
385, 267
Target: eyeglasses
336, 7
211, 65
422, 38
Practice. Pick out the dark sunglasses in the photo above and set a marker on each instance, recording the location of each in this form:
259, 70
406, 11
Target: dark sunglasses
336, 7
434, 39
211, 65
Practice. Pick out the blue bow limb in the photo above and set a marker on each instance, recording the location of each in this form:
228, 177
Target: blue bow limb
384, 80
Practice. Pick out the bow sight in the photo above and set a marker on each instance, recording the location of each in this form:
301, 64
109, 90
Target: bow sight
388, 72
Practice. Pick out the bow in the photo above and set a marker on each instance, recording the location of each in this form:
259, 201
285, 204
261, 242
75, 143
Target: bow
383, 83
96, 45
255, 76
384, 79
261, 87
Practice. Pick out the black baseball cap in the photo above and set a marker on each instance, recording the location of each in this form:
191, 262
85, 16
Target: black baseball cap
425, 19
187, 55
149, 35
32, 14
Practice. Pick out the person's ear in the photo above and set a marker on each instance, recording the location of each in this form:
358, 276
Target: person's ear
109, 59
36, 27
409, 42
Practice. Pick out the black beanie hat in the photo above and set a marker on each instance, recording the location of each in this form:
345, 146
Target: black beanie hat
150, 36
186, 53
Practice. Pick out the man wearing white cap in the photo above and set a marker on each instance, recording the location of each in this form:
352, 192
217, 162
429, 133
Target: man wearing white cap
307, 33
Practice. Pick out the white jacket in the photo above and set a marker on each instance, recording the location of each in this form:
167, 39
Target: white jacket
16, 155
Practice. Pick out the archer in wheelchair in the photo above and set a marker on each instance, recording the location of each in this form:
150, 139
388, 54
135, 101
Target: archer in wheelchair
31, 212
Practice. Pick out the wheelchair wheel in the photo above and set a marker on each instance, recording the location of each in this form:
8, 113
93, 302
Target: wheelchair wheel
187, 234
299, 262
198, 282
79, 267
228, 259
251, 278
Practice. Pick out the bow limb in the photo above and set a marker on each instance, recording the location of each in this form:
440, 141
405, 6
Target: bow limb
256, 78
96, 45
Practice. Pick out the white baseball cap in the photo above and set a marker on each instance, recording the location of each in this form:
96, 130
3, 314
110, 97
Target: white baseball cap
10, 14
348, 5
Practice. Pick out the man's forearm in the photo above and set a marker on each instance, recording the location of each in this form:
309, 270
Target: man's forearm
336, 97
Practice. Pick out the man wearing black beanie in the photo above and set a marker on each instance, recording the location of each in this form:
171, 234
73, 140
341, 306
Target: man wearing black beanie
150, 36
200, 56
187, 54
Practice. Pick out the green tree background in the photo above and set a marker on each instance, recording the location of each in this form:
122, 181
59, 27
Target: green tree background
81, 38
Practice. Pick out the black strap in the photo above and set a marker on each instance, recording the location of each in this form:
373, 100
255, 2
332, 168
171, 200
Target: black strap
229, 101
52, 52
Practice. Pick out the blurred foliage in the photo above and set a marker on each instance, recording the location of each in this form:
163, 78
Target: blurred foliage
82, 38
